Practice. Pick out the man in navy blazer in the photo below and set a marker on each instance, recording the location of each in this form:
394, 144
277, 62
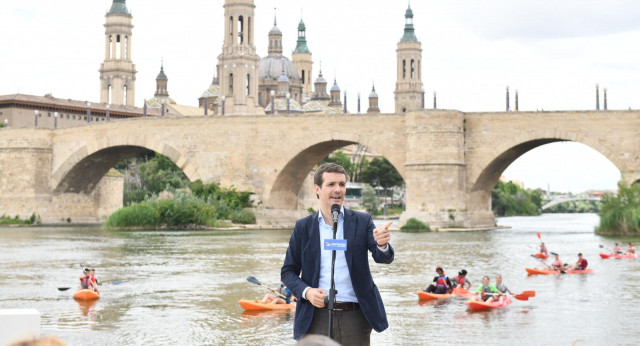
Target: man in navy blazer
307, 266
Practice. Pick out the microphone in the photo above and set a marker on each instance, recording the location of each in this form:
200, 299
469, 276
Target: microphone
335, 211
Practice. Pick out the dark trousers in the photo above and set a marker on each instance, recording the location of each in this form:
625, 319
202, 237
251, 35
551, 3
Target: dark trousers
349, 327
433, 289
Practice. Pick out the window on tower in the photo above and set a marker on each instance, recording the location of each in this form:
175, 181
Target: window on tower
413, 69
248, 83
230, 83
118, 48
240, 30
231, 30
302, 76
404, 69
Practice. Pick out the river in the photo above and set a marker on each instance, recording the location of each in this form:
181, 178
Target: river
182, 287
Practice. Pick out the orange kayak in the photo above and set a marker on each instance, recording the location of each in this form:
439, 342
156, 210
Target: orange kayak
461, 292
626, 255
425, 295
257, 305
479, 305
541, 255
533, 271
86, 295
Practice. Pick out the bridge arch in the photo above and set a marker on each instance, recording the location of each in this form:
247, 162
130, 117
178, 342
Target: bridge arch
285, 190
81, 171
504, 155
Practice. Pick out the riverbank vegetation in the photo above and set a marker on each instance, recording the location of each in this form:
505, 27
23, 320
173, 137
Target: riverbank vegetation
415, 225
158, 194
16, 220
620, 214
509, 199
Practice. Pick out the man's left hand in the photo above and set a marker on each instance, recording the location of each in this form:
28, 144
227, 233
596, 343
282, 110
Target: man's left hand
382, 235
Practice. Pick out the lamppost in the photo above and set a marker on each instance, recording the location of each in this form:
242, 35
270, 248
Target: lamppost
223, 103
55, 120
206, 105
162, 102
88, 112
273, 102
144, 108
288, 102
6, 123
36, 118
108, 108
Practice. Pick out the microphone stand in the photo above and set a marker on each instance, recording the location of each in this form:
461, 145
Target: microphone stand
332, 290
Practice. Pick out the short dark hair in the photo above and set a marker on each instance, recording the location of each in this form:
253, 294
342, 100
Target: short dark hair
328, 167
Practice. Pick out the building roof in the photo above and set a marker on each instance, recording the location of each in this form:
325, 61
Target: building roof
321, 106
161, 75
281, 106
320, 79
212, 91
275, 30
271, 67
335, 86
301, 44
373, 93
119, 7
58, 103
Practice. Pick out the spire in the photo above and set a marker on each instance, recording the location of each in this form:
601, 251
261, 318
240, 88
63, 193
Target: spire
161, 75
597, 97
119, 7
507, 98
301, 44
275, 38
605, 98
409, 35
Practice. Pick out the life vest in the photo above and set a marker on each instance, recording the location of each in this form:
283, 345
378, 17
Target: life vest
442, 283
461, 280
285, 291
84, 282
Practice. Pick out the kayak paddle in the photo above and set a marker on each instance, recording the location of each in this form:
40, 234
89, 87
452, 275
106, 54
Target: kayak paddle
548, 266
539, 235
525, 295
63, 288
253, 280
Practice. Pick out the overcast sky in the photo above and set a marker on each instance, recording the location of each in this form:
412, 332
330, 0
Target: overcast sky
552, 51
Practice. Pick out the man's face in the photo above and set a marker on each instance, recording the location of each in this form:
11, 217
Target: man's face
333, 189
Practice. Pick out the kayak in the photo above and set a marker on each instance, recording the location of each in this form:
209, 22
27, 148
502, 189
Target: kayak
86, 295
541, 255
257, 305
626, 255
532, 271
479, 305
425, 295
461, 292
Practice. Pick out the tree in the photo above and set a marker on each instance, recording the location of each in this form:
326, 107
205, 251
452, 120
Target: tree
343, 160
369, 199
380, 172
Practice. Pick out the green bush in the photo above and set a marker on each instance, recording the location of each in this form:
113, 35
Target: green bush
142, 214
243, 216
621, 214
415, 225
509, 199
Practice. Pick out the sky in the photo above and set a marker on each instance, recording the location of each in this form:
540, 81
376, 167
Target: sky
553, 52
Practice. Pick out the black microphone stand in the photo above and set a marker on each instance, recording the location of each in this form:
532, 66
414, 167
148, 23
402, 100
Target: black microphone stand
332, 290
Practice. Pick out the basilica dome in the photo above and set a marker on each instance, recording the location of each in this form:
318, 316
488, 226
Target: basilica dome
271, 67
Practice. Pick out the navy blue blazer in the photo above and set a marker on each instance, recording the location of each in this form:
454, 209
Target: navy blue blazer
301, 267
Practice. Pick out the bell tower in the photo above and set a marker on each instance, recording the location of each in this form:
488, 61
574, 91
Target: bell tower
408, 93
302, 59
238, 62
117, 72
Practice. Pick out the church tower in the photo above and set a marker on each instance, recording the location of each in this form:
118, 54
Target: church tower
117, 72
302, 59
161, 84
238, 62
408, 93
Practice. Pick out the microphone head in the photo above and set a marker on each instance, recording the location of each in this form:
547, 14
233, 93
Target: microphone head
335, 208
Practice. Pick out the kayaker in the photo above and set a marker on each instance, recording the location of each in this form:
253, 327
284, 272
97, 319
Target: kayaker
543, 249
84, 280
443, 284
275, 299
461, 280
93, 281
580, 265
502, 287
486, 291
632, 249
617, 249
557, 263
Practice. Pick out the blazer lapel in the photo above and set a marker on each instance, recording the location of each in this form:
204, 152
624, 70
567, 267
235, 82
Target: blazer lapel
314, 247
349, 228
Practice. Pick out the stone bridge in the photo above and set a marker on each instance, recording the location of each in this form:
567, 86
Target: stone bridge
449, 160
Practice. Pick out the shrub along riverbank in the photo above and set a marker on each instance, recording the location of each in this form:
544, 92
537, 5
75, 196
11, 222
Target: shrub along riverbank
620, 215
509, 199
205, 205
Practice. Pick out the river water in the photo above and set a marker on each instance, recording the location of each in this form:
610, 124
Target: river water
182, 287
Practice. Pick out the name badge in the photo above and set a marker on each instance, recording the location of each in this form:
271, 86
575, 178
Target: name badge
335, 244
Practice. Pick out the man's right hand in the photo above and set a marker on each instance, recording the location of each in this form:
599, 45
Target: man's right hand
316, 297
